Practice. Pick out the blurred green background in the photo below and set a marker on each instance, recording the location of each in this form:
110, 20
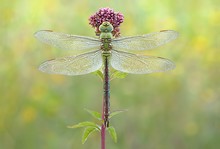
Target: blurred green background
178, 109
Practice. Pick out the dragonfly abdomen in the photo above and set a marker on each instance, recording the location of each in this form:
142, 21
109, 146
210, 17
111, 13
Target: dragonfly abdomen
106, 88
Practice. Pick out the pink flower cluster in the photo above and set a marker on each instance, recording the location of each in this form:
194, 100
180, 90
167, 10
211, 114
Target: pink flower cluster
107, 14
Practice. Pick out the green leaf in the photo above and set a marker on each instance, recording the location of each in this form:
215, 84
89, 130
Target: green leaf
99, 73
95, 114
116, 113
87, 132
118, 74
85, 124
112, 133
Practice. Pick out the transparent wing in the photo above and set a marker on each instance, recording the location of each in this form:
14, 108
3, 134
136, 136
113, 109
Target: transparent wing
73, 65
66, 41
139, 64
144, 42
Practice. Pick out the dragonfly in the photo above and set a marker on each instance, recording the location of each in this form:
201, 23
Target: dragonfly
105, 51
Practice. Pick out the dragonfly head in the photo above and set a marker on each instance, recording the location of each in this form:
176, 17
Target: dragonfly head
106, 27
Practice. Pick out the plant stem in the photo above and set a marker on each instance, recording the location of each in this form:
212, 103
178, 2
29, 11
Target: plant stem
106, 98
103, 135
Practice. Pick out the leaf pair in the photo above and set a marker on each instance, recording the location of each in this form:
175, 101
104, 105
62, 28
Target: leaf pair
98, 115
115, 74
92, 127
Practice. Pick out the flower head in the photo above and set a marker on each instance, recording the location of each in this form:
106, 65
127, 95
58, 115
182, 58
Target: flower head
107, 14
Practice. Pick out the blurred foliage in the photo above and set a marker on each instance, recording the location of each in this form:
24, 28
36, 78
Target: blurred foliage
178, 109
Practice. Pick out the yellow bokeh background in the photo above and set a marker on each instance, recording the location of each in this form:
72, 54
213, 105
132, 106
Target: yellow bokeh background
178, 109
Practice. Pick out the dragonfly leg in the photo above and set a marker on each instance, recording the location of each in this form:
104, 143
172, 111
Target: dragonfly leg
110, 46
102, 47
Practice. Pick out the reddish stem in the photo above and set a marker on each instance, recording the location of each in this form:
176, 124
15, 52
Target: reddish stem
103, 128
103, 137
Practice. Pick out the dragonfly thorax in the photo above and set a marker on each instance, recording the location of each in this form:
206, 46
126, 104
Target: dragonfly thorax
106, 45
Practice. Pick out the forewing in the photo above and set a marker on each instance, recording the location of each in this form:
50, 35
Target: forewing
67, 41
73, 65
144, 42
139, 64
